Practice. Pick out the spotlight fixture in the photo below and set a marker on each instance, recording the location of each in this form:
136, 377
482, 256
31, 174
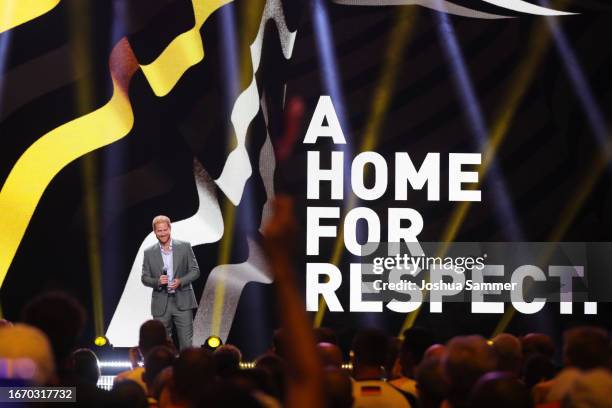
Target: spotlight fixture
212, 343
100, 341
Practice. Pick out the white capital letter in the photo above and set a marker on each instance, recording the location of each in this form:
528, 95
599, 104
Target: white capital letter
350, 231
315, 174
429, 172
478, 303
314, 230
380, 171
456, 177
324, 110
357, 304
396, 232
518, 301
328, 289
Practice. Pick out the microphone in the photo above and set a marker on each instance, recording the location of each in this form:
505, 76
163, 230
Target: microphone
164, 272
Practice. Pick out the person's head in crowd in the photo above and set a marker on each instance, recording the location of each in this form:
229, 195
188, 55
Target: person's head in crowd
227, 360
509, 353
539, 343
229, 394
256, 380
537, 368
330, 354
325, 335
590, 390
432, 383
436, 351
85, 366
416, 341
370, 350
338, 388
26, 355
152, 334
559, 387
128, 394
5, 323
500, 390
277, 369
61, 318
161, 381
468, 358
393, 364
157, 359
586, 347
193, 375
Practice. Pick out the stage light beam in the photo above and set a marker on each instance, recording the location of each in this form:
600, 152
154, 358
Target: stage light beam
80, 17
519, 83
399, 37
597, 124
231, 83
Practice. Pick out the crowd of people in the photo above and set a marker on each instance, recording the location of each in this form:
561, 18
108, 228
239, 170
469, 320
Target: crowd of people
379, 370
304, 367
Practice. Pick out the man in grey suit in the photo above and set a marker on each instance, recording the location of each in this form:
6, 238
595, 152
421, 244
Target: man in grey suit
169, 267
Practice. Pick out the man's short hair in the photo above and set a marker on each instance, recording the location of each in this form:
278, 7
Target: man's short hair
509, 352
61, 317
338, 388
432, 383
468, 358
85, 365
194, 374
152, 334
330, 354
156, 360
325, 335
227, 359
159, 219
501, 390
586, 347
537, 343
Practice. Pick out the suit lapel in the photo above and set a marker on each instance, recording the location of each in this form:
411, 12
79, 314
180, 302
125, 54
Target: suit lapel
157, 258
175, 257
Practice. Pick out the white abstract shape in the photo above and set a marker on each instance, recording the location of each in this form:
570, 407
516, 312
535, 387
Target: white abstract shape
234, 277
273, 10
267, 165
527, 8
205, 226
442, 6
237, 169
519, 6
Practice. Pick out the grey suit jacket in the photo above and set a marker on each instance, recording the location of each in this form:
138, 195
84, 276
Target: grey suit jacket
185, 268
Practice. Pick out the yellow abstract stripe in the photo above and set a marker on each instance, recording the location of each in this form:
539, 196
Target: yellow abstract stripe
185, 51
44, 159
17, 12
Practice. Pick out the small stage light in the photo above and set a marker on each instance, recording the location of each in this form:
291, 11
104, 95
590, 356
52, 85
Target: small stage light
100, 341
212, 343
